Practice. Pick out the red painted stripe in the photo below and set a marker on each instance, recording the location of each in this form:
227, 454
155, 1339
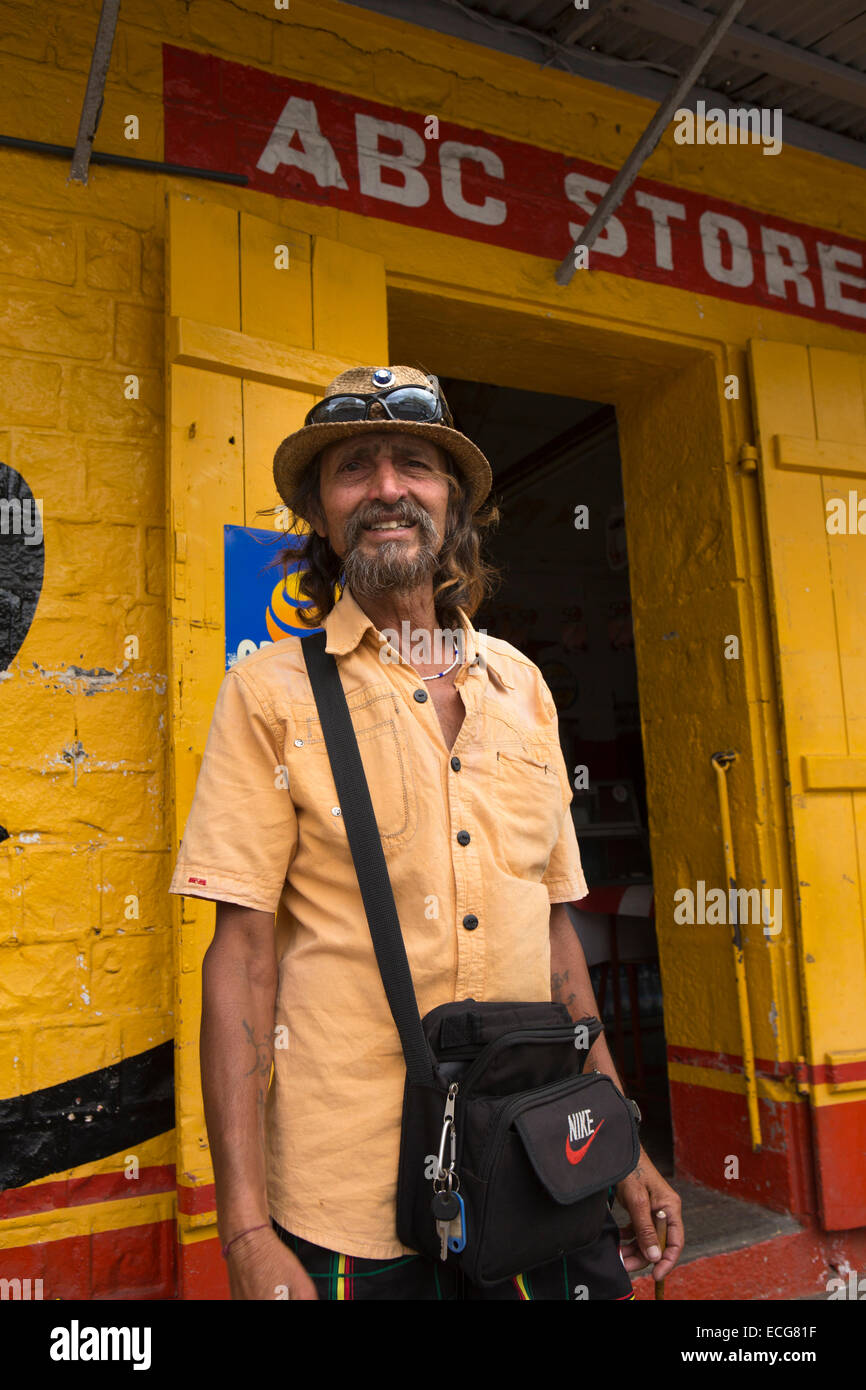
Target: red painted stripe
201, 1271
786, 1267
840, 1143
191, 1200
725, 1061
78, 1192
816, 1073
136, 1262
711, 1128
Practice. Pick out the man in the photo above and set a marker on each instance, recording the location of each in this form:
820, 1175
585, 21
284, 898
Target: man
471, 797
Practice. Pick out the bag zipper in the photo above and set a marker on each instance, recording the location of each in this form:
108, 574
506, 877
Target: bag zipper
558, 1034
548, 1092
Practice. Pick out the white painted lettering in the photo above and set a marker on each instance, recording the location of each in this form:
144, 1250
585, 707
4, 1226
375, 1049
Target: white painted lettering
833, 279
661, 210
779, 273
613, 240
492, 212
413, 191
740, 272
300, 119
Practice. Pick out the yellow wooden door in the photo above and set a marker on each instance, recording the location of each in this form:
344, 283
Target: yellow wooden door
260, 317
811, 410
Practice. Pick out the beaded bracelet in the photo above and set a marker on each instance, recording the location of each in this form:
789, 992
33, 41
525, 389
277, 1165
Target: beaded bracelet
226, 1248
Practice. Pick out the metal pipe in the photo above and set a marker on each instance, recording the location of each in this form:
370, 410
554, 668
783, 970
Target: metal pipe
91, 108
721, 762
648, 141
156, 166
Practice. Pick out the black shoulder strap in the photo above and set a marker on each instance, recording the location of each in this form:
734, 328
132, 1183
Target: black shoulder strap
369, 858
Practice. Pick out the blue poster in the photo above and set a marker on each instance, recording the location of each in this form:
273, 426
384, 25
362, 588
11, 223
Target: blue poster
260, 603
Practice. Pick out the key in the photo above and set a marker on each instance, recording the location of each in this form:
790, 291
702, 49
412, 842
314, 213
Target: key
445, 1206
442, 1229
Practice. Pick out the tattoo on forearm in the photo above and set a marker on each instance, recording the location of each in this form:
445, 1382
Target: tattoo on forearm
557, 989
262, 1067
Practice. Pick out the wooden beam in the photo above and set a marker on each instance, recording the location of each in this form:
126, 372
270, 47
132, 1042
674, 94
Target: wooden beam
91, 108
818, 456
825, 774
204, 345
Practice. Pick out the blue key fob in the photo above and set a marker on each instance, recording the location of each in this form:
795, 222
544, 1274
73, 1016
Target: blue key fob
458, 1243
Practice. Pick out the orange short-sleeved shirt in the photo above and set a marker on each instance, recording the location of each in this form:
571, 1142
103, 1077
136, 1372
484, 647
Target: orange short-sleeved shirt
262, 832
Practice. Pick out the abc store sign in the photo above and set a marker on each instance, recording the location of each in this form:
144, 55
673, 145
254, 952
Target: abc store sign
309, 143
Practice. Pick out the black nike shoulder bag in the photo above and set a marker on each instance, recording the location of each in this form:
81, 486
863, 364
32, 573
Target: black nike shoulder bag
507, 1146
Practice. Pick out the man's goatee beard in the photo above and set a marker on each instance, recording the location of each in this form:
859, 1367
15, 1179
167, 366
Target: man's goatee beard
391, 569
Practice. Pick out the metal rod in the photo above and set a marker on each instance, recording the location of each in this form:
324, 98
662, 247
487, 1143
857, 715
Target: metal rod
156, 166
91, 109
721, 762
648, 141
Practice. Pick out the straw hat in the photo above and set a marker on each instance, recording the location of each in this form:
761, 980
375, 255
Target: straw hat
298, 449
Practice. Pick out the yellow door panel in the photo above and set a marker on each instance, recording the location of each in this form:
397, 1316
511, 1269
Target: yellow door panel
811, 411
207, 491
350, 316
276, 282
270, 413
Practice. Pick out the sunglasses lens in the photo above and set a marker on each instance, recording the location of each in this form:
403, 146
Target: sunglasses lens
338, 408
413, 403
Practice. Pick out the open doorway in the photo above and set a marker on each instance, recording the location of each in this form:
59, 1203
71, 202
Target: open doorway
564, 600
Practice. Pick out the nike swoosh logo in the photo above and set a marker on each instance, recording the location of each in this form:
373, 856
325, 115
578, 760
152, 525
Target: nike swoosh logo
575, 1155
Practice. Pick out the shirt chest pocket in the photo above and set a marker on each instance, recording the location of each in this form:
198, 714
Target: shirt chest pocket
530, 803
385, 753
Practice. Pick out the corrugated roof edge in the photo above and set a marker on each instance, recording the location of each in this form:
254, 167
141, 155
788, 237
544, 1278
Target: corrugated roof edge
427, 14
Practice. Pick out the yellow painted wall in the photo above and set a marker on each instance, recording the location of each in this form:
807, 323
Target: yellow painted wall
83, 293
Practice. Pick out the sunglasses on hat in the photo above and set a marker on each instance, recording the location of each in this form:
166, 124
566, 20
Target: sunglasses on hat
416, 404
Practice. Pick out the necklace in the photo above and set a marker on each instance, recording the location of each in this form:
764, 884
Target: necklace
440, 674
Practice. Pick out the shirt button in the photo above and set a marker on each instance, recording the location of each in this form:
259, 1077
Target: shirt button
470, 921
420, 696
463, 837
455, 763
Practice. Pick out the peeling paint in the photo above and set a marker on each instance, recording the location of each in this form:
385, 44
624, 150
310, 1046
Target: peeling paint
81, 680
74, 753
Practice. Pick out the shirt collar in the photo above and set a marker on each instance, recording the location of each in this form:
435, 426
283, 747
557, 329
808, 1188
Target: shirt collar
347, 623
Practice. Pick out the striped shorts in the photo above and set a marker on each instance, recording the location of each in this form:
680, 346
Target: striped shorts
595, 1271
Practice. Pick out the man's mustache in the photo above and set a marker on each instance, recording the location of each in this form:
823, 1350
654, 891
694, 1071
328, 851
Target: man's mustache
408, 513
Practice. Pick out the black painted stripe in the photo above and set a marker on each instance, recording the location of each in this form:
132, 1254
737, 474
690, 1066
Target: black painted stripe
87, 1118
